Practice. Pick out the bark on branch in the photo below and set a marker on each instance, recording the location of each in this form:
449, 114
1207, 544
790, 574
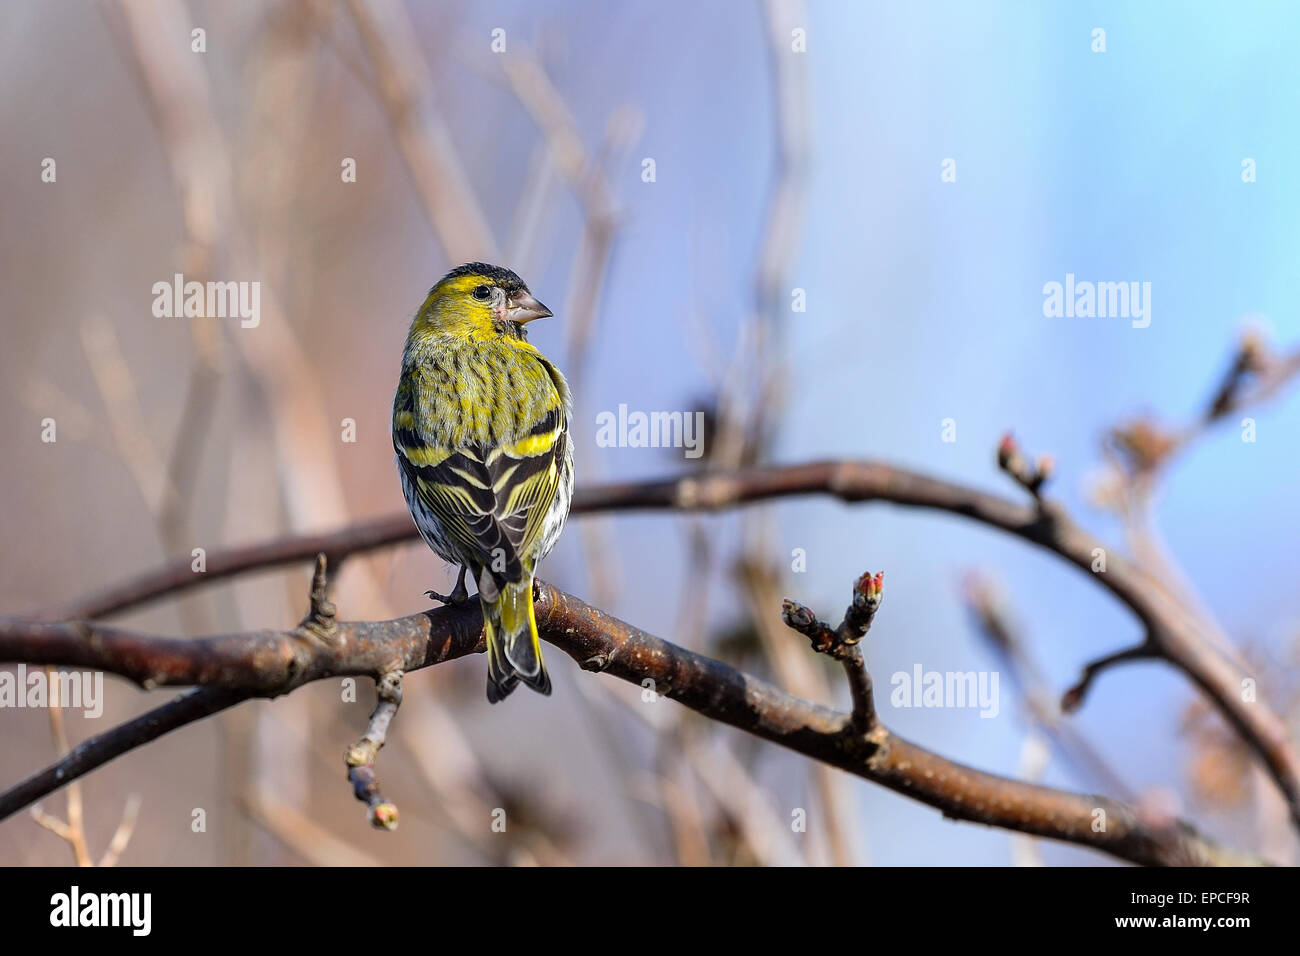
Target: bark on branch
234, 667
1172, 632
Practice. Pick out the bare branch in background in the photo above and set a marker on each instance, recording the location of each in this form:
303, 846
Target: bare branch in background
1029, 475
122, 835
724, 777
1141, 451
425, 141
1073, 698
307, 839
202, 176
748, 403
587, 178
1041, 701
1172, 631
122, 406
73, 830
1256, 373
459, 788
222, 236
1139, 455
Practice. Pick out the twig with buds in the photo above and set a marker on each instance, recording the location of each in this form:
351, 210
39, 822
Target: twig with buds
1253, 359
361, 756
842, 642
1030, 476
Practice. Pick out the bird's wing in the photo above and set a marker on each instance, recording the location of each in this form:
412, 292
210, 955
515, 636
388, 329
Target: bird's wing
492, 500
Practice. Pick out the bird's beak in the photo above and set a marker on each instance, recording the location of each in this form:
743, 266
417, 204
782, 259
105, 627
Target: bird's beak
524, 308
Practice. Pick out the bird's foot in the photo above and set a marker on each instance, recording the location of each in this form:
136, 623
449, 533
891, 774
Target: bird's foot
457, 598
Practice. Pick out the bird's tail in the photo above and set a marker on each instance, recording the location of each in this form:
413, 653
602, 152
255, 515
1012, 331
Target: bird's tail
514, 649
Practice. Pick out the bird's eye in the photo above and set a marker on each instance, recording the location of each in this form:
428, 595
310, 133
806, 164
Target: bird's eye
482, 292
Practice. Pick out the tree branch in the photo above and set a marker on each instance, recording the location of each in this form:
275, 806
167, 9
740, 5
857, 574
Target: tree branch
842, 642
1173, 632
1042, 703
235, 667
1072, 699
361, 756
93, 753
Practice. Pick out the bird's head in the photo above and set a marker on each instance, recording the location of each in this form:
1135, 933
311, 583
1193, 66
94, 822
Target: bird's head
477, 300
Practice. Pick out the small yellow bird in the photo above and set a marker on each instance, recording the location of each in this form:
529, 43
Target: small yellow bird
481, 430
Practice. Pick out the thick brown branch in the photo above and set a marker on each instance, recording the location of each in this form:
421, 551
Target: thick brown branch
269, 663
1172, 631
259, 663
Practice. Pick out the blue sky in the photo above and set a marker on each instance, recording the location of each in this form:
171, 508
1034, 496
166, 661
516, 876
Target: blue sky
1123, 165
925, 302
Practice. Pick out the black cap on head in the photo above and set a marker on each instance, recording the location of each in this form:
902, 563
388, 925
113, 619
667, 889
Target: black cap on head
504, 278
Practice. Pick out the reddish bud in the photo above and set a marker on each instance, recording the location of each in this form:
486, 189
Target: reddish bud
1007, 450
796, 615
869, 588
383, 816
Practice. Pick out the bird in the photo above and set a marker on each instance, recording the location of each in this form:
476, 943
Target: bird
481, 433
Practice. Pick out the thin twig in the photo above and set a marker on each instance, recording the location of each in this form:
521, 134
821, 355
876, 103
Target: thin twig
74, 831
122, 835
842, 642
361, 756
1041, 701
1072, 699
426, 143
